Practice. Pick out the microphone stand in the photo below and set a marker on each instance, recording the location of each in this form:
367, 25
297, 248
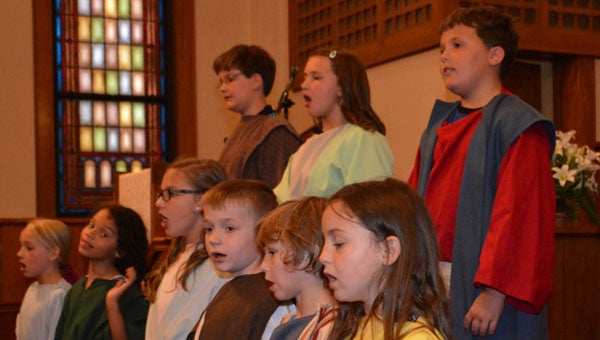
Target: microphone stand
284, 101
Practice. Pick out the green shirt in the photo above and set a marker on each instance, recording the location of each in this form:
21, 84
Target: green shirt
84, 312
333, 159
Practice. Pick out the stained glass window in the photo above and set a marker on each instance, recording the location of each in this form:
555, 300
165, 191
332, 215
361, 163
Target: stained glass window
110, 96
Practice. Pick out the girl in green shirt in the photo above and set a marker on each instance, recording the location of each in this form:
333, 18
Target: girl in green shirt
108, 303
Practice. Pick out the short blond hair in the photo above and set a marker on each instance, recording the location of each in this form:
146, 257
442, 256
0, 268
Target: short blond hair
253, 195
52, 234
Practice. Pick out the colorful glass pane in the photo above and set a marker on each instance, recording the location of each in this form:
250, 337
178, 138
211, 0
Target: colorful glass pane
111, 103
125, 83
124, 57
123, 8
136, 166
126, 140
112, 82
124, 114
113, 139
85, 55
111, 57
85, 80
110, 8
89, 174
139, 140
137, 32
99, 116
84, 29
85, 139
112, 114
138, 83
99, 139
97, 30
111, 31
83, 7
105, 174
137, 9
85, 113
139, 115
137, 58
97, 7
124, 32
121, 166
98, 55
98, 84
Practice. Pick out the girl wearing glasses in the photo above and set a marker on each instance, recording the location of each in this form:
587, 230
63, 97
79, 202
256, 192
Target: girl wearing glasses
352, 147
182, 283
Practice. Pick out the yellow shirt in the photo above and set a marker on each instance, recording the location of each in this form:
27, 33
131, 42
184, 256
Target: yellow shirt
418, 330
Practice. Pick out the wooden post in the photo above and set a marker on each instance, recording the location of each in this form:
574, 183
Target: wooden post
574, 98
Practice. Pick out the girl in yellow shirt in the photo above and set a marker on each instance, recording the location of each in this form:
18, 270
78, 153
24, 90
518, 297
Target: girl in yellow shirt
381, 259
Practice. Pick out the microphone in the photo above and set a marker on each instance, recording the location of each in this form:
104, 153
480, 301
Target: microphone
284, 101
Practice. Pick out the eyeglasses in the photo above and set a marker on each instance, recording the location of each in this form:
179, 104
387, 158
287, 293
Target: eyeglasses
166, 194
228, 79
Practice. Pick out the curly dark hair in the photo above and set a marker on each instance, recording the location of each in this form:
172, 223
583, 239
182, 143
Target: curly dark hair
132, 244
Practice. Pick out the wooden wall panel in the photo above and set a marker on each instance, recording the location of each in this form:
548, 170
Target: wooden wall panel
383, 30
575, 97
525, 80
573, 309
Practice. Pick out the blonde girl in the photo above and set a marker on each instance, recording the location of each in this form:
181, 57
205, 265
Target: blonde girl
381, 259
45, 247
182, 283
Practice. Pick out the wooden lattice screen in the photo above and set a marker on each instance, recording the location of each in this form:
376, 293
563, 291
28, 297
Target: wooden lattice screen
383, 30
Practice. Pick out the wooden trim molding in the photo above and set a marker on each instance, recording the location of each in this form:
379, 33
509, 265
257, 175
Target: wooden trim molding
181, 63
44, 109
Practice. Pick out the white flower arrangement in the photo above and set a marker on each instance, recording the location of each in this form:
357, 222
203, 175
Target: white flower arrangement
574, 172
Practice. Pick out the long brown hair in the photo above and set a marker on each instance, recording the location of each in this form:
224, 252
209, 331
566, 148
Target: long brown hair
356, 93
201, 174
412, 284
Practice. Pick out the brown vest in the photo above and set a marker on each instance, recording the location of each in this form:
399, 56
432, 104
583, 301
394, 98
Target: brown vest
240, 310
